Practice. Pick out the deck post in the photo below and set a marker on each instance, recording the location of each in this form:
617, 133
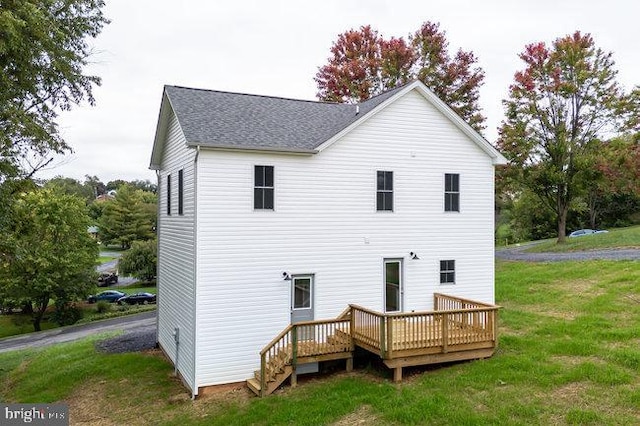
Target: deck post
397, 374
349, 366
263, 371
294, 355
445, 332
352, 328
382, 337
390, 338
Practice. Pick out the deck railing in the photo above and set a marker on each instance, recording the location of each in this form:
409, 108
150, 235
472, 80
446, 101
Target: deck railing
455, 324
304, 340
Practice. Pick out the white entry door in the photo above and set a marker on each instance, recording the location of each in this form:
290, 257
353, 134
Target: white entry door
393, 285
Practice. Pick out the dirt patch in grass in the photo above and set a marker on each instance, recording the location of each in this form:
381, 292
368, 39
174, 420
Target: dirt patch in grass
364, 415
551, 313
577, 360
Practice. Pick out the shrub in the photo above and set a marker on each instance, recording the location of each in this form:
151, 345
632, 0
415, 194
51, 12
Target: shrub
103, 306
66, 314
140, 261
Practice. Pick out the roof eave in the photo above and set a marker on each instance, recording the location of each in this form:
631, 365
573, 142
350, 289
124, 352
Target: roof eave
223, 147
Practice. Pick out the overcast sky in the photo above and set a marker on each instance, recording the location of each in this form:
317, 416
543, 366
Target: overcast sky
275, 48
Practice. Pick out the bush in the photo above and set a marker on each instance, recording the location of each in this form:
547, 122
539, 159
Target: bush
103, 306
66, 314
140, 261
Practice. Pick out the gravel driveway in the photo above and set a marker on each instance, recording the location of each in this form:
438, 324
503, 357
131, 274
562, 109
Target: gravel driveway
518, 253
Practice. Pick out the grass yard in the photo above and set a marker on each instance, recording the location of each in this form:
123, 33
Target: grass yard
14, 324
615, 238
569, 353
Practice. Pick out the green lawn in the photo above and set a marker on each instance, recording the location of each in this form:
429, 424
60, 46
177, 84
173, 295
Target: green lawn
569, 353
14, 324
615, 238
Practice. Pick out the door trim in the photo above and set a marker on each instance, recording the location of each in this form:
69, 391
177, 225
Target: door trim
400, 263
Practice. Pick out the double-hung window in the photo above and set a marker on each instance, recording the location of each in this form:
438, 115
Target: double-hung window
384, 191
451, 192
180, 192
263, 188
168, 195
447, 272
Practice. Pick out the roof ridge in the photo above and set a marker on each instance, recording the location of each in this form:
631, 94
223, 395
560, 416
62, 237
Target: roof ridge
254, 95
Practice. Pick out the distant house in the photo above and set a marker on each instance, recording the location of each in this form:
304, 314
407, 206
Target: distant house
274, 211
104, 197
93, 231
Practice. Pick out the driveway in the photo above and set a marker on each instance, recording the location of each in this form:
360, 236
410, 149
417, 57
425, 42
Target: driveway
518, 253
112, 265
143, 322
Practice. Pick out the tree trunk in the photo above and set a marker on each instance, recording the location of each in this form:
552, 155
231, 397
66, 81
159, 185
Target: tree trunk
562, 225
39, 313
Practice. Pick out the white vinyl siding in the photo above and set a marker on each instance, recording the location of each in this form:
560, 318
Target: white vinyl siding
176, 254
326, 222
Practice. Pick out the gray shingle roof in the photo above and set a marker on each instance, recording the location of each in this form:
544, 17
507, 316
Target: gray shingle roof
236, 120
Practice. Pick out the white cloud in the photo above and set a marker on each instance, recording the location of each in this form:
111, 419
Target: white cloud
275, 48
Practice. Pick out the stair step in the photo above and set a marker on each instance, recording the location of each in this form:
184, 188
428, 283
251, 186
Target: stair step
254, 385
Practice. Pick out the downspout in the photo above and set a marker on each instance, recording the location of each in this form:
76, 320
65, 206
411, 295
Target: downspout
194, 393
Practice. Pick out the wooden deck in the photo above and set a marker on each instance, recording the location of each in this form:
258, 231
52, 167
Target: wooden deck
458, 329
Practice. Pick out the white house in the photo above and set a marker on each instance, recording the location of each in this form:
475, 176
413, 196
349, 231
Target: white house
276, 210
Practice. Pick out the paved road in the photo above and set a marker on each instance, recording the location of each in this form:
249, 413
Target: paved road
144, 322
518, 253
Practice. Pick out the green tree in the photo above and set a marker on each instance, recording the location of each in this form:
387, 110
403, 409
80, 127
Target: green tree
564, 100
140, 261
363, 64
43, 49
130, 216
48, 254
72, 187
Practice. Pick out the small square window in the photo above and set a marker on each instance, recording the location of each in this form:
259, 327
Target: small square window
447, 272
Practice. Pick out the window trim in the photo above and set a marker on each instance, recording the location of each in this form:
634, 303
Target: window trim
385, 192
263, 188
293, 294
169, 194
181, 192
451, 193
446, 272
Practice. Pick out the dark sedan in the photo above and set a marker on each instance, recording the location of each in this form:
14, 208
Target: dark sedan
109, 296
137, 299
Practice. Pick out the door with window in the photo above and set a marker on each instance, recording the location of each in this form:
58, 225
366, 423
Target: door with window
393, 285
302, 310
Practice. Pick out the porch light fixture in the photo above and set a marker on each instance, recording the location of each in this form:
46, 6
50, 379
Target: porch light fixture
414, 256
286, 276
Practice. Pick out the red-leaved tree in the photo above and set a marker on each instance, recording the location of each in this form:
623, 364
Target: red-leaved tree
363, 64
564, 100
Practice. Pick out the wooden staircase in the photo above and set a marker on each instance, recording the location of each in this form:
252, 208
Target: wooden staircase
458, 329
301, 343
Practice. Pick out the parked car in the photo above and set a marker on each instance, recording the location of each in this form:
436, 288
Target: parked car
583, 232
137, 299
110, 296
107, 278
